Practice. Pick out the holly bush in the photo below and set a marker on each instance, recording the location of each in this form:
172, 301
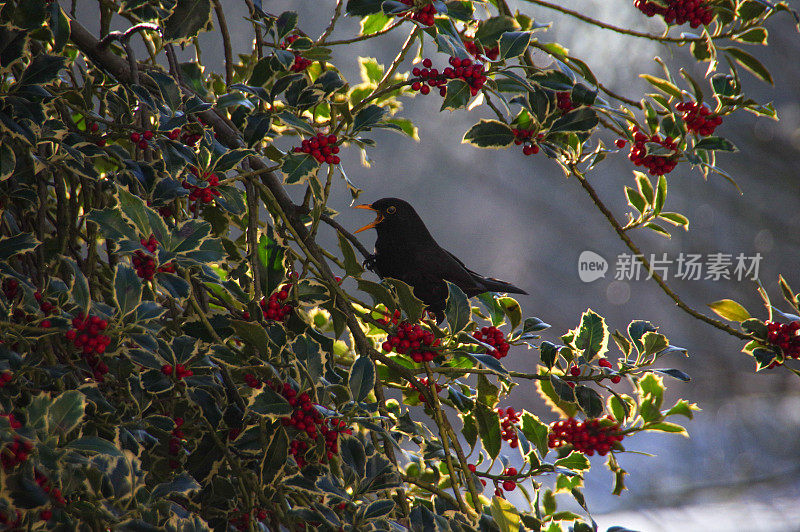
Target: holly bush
177, 352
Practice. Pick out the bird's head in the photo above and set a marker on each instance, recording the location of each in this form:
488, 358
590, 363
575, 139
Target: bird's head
395, 216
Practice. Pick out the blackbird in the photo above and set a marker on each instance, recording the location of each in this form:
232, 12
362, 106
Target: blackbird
405, 250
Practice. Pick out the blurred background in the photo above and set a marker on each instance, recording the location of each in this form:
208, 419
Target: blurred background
519, 219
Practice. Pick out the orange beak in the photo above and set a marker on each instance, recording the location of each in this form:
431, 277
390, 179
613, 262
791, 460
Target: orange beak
375, 222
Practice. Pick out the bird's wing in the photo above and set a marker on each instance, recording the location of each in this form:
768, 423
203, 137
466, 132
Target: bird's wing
441, 264
487, 284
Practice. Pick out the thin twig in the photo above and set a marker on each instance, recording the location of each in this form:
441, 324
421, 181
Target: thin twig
624, 31
226, 42
124, 36
401, 55
252, 237
349, 236
337, 12
172, 59
226, 376
445, 437
656, 277
430, 487
256, 29
385, 30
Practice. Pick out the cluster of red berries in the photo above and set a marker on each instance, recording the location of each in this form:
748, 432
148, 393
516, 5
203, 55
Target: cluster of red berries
412, 340
179, 370
564, 101
656, 164
495, 338
423, 16
525, 136
323, 148
187, 137
241, 519
492, 53
141, 139
165, 211
300, 62
696, 12
393, 318
298, 448
424, 382
15, 453
151, 244
44, 305
605, 363
253, 381
587, 436
200, 194
13, 422
176, 443
5, 378
699, 118
508, 418
508, 484
10, 288
146, 264
43, 482
274, 308
473, 73
784, 335
98, 367
308, 420
86, 335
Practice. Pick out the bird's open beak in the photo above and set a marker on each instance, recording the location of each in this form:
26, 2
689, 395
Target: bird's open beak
375, 222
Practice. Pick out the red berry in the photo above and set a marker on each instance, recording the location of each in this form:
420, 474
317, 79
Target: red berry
620, 143
615, 379
509, 485
135, 137
148, 135
166, 369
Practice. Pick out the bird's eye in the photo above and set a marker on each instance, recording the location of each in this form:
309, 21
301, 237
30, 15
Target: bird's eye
391, 209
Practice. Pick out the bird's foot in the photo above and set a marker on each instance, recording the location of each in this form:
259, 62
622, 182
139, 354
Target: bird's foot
369, 263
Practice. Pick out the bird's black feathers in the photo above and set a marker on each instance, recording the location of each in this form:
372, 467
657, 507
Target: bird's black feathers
405, 250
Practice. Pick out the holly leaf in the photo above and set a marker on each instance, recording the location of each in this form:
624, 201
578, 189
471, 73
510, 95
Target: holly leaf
187, 19
362, 378
297, 167
489, 134
730, 310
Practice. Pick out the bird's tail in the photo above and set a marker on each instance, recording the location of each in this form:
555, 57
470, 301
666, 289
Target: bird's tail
490, 284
